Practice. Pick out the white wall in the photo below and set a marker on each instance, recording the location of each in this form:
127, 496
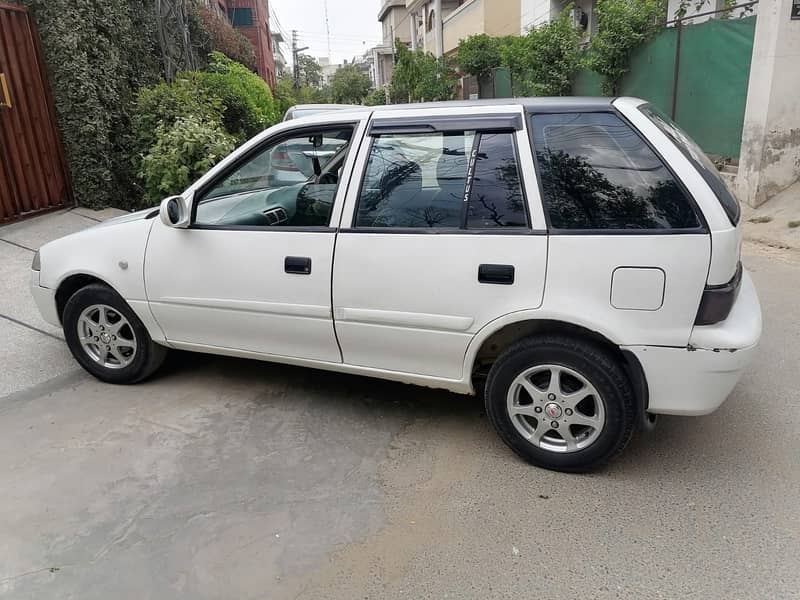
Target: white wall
770, 156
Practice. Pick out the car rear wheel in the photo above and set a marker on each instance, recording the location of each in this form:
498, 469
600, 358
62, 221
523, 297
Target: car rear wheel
107, 338
561, 403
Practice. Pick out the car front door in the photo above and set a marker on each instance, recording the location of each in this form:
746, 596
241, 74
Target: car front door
252, 271
443, 233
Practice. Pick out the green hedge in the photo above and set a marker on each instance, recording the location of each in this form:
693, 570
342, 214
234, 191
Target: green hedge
98, 54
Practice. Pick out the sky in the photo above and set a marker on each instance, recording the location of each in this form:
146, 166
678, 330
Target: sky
354, 26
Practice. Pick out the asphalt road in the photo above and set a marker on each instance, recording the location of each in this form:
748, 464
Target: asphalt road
232, 479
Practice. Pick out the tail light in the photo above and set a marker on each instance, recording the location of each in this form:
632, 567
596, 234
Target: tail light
717, 300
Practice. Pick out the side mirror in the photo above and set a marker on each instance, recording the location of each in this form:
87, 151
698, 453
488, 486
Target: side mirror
174, 212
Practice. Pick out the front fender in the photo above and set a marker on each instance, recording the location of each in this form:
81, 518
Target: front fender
112, 253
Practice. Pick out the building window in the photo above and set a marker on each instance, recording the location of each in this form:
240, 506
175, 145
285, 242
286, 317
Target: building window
431, 19
240, 17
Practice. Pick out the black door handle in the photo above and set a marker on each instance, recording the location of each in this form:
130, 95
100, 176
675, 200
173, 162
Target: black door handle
499, 274
300, 265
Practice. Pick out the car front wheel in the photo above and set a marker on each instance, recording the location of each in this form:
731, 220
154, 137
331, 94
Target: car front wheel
107, 338
561, 403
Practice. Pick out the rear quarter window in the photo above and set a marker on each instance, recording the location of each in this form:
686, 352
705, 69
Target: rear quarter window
597, 173
698, 158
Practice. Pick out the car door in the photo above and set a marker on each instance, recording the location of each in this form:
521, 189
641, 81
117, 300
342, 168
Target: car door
442, 234
252, 271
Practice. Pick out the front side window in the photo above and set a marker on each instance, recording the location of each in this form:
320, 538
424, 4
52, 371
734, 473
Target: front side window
420, 181
291, 182
597, 173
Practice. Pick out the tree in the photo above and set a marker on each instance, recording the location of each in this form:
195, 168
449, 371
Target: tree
554, 49
349, 85
376, 97
309, 72
622, 26
479, 54
421, 76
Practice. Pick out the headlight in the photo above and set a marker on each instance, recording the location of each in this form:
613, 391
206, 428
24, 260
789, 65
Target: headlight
37, 265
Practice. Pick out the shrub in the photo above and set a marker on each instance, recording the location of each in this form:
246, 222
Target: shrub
227, 93
622, 26
479, 54
182, 152
555, 52
214, 33
248, 106
165, 103
376, 97
349, 85
421, 76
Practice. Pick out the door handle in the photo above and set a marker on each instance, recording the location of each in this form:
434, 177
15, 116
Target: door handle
499, 274
299, 265
5, 96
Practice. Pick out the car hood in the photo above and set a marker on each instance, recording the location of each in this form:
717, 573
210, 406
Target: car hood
135, 216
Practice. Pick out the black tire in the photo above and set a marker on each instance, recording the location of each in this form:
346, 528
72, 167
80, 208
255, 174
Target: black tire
594, 363
148, 355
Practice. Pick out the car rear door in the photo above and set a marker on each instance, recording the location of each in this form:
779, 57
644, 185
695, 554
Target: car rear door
441, 234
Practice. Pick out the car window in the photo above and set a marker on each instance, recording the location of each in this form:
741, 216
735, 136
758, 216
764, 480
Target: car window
291, 182
414, 180
597, 173
698, 158
420, 180
496, 198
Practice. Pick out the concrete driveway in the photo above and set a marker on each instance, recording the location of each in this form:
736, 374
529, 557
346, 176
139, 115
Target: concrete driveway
231, 479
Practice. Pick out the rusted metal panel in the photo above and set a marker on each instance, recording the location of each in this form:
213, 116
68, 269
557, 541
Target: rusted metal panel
33, 175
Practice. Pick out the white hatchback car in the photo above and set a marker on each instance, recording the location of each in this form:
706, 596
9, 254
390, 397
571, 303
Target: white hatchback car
575, 258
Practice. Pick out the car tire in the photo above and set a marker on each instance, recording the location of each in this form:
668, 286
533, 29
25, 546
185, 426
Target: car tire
588, 416
107, 338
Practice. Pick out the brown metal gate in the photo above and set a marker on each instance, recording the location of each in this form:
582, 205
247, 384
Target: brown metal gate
33, 175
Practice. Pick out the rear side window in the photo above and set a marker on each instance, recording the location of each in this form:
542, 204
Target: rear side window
698, 158
450, 180
597, 173
496, 198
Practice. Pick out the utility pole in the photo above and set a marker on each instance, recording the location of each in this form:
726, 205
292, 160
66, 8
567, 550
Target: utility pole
295, 53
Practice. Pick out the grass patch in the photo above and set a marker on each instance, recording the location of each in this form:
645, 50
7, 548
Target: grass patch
793, 224
761, 219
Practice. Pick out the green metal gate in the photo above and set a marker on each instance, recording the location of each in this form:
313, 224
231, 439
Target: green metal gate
706, 94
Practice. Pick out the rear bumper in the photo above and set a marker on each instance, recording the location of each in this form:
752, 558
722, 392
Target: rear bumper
45, 300
697, 379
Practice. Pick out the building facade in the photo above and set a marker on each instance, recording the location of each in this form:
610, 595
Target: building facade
395, 25
251, 19
437, 26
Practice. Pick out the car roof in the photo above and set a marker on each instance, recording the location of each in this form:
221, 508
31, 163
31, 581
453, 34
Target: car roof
543, 104
322, 106
532, 104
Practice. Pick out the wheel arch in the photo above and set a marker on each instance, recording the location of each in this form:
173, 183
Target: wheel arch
490, 342
71, 284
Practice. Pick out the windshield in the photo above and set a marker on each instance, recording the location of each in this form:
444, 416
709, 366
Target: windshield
698, 159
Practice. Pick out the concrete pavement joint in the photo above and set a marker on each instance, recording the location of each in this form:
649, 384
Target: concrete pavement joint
85, 216
17, 245
31, 327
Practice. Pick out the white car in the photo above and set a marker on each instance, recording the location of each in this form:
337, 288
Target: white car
574, 259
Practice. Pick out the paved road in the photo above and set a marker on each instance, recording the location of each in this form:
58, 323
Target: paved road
233, 479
